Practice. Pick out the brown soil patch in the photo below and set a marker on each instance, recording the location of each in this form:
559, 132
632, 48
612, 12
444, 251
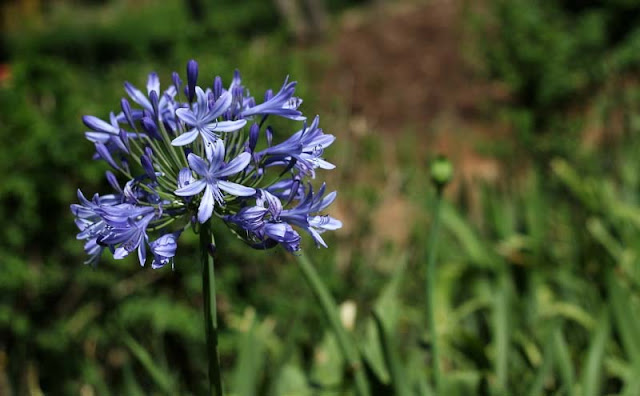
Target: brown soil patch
400, 68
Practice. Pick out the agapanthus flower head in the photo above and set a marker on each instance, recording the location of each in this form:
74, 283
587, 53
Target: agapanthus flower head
189, 154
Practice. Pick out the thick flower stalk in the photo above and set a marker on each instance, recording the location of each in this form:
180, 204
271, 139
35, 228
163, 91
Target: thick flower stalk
189, 154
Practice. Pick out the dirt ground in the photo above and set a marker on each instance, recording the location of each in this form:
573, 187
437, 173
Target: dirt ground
402, 69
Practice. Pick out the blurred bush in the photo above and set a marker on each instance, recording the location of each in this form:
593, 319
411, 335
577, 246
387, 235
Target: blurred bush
553, 55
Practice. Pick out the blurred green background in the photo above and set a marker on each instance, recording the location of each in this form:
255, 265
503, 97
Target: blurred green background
535, 102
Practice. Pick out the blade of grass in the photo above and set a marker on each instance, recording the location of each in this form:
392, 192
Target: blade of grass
328, 306
161, 378
625, 319
537, 387
396, 371
561, 353
592, 372
250, 362
501, 331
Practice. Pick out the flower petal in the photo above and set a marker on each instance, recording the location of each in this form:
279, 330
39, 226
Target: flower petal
202, 104
325, 222
153, 83
206, 205
199, 165
120, 253
104, 153
216, 154
221, 105
99, 125
187, 116
325, 202
191, 189
137, 96
226, 126
236, 189
96, 137
316, 237
185, 138
142, 253
236, 165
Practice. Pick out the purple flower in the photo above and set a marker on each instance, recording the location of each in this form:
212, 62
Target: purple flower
269, 220
164, 249
219, 174
283, 104
212, 182
302, 215
165, 108
130, 235
90, 224
284, 234
203, 118
263, 222
305, 146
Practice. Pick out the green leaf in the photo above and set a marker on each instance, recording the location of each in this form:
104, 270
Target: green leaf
562, 357
592, 372
251, 356
398, 379
163, 379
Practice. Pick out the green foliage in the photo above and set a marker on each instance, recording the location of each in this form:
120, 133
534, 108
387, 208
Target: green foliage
540, 296
552, 55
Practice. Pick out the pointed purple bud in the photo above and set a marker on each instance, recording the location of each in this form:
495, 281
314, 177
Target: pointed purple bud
147, 165
96, 124
113, 181
126, 110
253, 136
237, 80
211, 100
103, 152
125, 165
150, 127
119, 143
124, 137
177, 82
237, 93
268, 95
295, 187
192, 78
217, 87
153, 97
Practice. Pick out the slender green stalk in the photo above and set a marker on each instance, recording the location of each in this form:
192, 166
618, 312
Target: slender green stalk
430, 289
210, 316
329, 309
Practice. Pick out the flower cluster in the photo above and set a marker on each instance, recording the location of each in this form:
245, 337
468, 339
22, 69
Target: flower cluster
192, 153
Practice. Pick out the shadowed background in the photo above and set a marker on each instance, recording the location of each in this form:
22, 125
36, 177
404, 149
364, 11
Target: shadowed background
536, 104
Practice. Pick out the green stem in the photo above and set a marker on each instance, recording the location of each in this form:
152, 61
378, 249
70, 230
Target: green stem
210, 316
430, 286
329, 309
